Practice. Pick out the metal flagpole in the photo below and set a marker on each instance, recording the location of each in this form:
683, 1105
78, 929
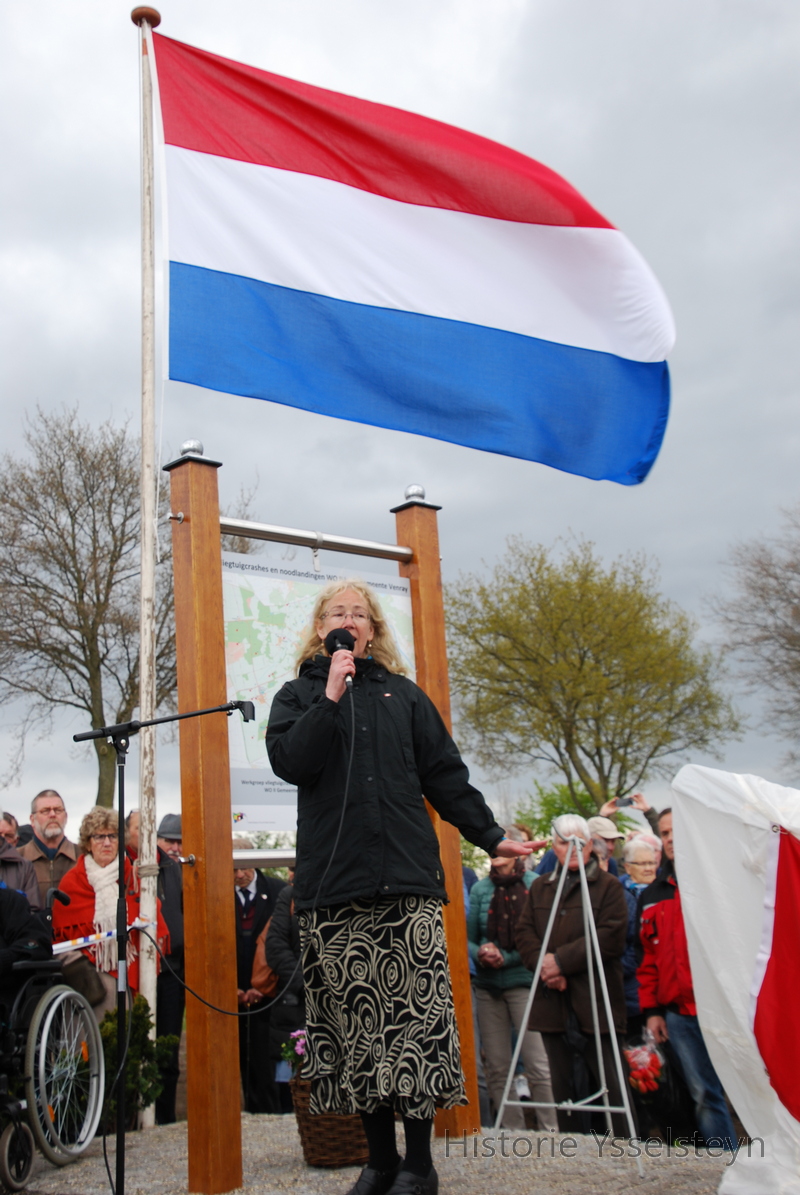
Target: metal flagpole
147, 19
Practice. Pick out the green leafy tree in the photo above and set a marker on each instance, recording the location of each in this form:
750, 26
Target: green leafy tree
584, 668
270, 841
548, 802
472, 856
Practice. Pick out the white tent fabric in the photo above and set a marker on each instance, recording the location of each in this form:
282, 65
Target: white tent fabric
726, 839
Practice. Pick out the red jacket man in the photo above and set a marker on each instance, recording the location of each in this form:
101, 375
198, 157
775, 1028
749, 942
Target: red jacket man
666, 995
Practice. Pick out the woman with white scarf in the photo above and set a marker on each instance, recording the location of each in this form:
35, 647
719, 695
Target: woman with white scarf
93, 888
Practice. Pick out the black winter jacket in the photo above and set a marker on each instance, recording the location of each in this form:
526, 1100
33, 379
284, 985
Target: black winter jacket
283, 954
23, 935
170, 892
402, 749
283, 945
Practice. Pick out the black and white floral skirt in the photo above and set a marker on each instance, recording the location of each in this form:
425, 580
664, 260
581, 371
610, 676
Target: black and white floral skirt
379, 1008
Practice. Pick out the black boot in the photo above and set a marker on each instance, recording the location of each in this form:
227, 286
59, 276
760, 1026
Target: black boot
374, 1182
408, 1183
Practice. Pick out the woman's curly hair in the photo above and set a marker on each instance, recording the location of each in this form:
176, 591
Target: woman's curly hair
383, 650
98, 820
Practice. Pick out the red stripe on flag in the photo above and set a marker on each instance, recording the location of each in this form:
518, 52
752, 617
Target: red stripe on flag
217, 106
776, 1027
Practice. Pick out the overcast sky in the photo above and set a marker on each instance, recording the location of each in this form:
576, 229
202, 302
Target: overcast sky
676, 119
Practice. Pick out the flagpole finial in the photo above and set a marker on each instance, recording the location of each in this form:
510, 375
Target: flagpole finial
142, 14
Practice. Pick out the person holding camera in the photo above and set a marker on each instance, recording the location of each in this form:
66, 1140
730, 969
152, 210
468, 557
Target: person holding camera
637, 801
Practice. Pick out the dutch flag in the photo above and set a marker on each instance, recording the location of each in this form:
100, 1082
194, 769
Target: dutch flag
359, 261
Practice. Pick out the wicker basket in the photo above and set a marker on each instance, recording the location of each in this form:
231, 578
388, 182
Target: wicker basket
327, 1140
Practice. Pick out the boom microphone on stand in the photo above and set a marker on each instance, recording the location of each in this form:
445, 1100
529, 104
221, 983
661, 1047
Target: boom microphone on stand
340, 639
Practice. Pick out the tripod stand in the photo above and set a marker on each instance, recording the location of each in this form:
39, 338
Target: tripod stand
120, 736
593, 959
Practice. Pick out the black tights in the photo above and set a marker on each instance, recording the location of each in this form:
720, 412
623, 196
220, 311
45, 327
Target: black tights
383, 1155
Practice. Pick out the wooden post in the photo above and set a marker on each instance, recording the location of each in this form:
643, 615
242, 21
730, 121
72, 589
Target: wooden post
212, 1039
417, 528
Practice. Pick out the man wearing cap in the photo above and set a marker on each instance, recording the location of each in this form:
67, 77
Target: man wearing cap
49, 850
170, 993
170, 835
603, 827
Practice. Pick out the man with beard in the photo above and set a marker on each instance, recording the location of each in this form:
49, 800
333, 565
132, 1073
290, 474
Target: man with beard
50, 851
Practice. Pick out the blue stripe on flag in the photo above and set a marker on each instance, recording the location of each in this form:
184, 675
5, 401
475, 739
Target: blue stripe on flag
581, 411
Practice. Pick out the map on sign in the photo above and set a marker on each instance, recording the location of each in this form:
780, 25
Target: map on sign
268, 604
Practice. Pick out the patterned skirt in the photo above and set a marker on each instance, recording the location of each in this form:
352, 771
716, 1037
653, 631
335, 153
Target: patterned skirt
379, 1009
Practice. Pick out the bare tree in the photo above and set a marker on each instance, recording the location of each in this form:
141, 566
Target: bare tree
762, 621
69, 580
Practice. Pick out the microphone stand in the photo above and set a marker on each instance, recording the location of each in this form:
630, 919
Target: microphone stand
121, 735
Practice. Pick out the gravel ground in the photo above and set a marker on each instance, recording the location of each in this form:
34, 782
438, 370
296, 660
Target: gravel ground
273, 1163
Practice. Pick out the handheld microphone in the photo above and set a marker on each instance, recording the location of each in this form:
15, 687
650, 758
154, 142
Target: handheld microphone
340, 639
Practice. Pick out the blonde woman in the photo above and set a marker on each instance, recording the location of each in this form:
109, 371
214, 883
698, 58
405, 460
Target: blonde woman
369, 883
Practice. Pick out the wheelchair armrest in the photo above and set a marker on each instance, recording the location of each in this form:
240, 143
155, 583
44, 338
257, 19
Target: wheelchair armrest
48, 966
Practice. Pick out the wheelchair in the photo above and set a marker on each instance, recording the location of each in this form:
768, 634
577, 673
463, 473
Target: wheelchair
52, 1072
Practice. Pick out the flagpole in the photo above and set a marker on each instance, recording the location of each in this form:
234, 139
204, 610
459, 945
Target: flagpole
147, 19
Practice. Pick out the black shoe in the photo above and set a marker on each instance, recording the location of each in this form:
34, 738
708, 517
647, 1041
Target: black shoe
408, 1183
374, 1182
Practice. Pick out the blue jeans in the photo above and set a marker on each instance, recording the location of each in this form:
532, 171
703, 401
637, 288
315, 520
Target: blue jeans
713, 1116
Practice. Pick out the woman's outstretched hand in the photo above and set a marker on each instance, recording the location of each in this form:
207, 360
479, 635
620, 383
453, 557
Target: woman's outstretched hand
509, 849
342, 665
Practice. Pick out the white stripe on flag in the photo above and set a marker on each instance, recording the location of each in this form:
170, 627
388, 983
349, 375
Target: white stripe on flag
584, 287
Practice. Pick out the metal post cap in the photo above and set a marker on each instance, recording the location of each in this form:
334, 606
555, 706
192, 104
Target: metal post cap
415, 496
191, 448
144, 13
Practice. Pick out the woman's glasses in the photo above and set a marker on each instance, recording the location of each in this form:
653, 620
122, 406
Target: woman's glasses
341, 615
105, 837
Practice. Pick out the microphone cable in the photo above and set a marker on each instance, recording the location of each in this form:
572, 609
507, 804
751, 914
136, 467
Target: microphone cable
252, 1012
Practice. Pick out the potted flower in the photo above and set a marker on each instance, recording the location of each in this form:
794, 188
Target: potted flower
293, 1050
327, 1139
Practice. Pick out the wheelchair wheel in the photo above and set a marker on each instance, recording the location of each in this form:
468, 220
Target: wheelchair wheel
64, 1074
16, 1156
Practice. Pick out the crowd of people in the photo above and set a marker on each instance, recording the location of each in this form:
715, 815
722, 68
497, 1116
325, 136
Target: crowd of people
636, 907
635, 901
352, 948
635, 898
38, 857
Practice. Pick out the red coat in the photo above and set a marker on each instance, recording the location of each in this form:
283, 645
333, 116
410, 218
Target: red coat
664, 975
76, 920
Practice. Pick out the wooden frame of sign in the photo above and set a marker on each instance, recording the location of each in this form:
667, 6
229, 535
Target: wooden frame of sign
213, 1095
